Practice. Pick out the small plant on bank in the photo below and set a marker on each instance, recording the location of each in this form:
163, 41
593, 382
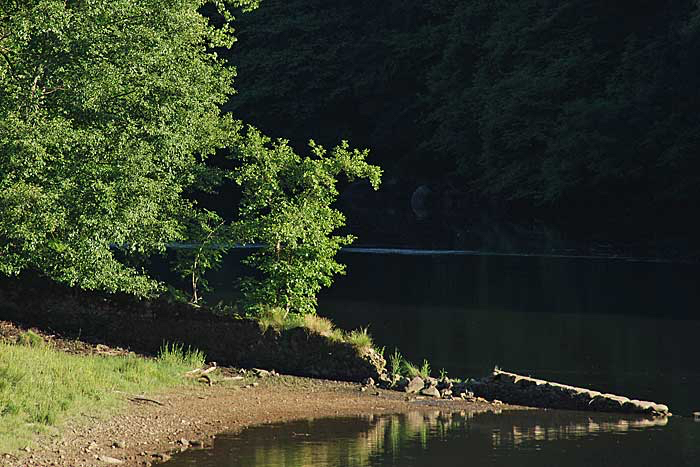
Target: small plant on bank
175, 355
31, 339
443, 374
360, 338
424, 371
278, 319
396, 363
319, 325
410, 370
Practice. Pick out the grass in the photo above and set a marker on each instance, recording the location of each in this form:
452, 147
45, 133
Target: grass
40, 387
31, 339
410, 370
280, 320
396, 363
360, 338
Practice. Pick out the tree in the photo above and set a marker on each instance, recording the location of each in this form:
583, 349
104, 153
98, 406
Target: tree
107, 111
286, 207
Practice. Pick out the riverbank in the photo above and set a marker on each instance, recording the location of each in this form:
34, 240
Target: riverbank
147, 428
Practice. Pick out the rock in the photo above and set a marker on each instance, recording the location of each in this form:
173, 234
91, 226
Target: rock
368, 382
431, 382
161, 456
183, 442
415, 385
384, 381
261, 373
119, 445
696, 416
445, 393
109, 460
402, 383
444, 384
196, 443
430, 391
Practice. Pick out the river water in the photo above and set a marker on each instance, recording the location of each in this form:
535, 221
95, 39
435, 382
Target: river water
622, 326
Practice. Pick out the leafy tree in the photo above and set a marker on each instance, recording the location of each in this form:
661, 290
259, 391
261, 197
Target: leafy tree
210, 237
107, 111
286, 207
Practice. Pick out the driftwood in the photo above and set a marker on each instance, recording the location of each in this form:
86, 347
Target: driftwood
137, 398
202, 373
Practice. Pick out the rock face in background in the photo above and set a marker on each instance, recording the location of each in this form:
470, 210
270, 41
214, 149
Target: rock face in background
522, 390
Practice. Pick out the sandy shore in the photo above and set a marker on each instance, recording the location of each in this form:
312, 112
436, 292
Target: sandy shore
146, 432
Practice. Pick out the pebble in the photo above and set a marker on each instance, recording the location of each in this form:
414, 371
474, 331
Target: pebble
109, 460
430, 391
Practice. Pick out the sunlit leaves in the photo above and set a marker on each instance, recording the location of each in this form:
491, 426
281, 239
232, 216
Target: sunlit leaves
287, 207
107, 109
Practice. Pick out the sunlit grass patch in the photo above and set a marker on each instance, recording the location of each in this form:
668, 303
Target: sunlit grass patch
360, 338
40, 387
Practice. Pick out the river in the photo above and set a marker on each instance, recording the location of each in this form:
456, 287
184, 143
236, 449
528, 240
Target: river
623, 326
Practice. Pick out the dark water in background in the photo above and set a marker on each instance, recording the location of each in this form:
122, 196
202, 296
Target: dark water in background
621, 326
429, 439
618, 326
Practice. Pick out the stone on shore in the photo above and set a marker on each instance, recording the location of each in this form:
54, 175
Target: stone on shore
415, 385
523, 390
431, 391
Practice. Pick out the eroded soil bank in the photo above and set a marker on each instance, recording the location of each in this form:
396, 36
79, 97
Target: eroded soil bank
146, 432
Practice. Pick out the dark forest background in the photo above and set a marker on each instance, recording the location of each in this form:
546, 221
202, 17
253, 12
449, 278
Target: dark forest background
578, 114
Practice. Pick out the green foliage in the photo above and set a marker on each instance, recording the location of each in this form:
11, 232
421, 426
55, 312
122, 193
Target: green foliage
553, 103
278, 319
286, 207
40, 387
209, 235
31, 339
396, 363
360, 338
410, 370
175, 355
107, 110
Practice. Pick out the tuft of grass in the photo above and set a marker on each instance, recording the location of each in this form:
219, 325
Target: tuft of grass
396, 363
279, 319
40, 387
425, 369
409, 369
175, 355
443, 374
319, 325
360, 339
31, 339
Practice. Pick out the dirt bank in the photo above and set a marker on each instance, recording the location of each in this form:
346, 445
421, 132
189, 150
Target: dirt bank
145, 430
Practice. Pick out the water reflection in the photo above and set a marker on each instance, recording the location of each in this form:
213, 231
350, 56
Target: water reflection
424, 438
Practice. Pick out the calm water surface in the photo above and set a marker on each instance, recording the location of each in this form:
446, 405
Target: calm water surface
627, 327
429, 439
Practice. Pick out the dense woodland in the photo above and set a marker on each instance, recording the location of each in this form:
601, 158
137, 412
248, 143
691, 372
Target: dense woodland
583, 111
121, 132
